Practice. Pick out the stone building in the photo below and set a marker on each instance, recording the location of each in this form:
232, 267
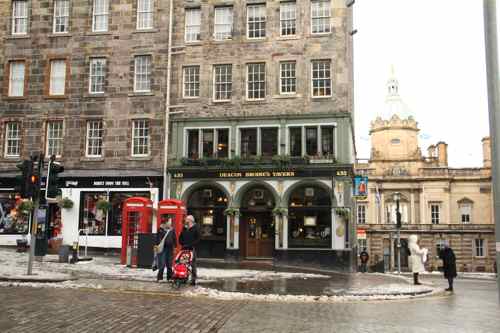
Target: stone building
438, 203
260, 99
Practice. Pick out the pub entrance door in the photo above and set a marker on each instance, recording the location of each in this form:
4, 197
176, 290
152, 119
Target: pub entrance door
257, 223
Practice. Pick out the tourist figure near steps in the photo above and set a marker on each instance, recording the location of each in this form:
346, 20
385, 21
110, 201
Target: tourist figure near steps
189, 238
418, 258
165, 244
364, 257
449, 265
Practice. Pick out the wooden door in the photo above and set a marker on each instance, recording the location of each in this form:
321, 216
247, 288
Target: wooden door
259, 235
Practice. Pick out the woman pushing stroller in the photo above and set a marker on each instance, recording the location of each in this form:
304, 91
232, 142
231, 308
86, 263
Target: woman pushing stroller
189, 238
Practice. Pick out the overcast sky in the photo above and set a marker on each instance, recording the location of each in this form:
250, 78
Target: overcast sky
437, 49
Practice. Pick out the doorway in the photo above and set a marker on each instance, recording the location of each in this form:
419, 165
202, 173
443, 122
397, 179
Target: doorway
257, 227
404, 254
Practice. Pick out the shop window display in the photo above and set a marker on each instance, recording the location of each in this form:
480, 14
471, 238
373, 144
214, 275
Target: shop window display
11, 220
207, 205
309, 218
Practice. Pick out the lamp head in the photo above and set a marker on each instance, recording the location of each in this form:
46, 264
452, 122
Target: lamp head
396, 196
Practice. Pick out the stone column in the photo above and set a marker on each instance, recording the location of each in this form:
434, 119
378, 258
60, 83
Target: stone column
229, 232
382, 208
277, 230
423, 214
236, 231
338, 224
285, 231
412, 219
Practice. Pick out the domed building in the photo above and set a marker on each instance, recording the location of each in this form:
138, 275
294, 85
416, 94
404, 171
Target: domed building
438, 203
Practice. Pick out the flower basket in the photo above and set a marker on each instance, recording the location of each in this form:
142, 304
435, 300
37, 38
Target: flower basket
231, 212
343, 212
66, 203
25, 207
280, 211
103, 205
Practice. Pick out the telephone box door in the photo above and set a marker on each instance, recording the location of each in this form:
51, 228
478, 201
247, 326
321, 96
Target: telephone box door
175, 211
136, 226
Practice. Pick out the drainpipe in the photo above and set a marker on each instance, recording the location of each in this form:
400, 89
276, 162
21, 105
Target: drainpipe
166, 179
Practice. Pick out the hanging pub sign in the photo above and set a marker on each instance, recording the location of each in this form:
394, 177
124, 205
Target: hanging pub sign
360, 187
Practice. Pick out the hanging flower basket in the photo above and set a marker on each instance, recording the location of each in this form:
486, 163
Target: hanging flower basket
25, 207
103, 205
280, 211
343, 212
231, 212
66, 203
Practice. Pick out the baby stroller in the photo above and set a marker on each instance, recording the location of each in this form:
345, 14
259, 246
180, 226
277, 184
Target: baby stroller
181, 269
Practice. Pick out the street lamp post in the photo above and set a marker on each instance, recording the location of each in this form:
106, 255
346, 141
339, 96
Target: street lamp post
396, 197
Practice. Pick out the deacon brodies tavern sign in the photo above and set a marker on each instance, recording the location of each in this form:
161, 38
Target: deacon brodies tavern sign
344, 172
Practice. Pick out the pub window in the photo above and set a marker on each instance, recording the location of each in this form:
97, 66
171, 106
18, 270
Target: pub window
311, 141
319, 141
248, 142
54, 139
269, 141
16, 78
213, 143
19, 17
192, 25
12, 140
327, 140
61, 16
296, 141
11, 219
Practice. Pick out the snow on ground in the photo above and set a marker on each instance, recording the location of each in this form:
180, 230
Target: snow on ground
464, 275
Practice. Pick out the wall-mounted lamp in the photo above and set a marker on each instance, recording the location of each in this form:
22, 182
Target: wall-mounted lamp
352, 33
349, 3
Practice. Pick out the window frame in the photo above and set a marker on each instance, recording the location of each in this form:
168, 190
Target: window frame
25, 16
50, 78
282, 20
329, 80
321, 17
435, 215
192, 84
259, 137
91, 76
10, 78
145, 14
48, 138
105, 14
65, 16
17, 139
200, 130
225, 36
186, 26
334, 127
147, 137
148, 74
215, 84
255, 8
482, 248
247, 81
294, 78
462, 207
89, 138
361, 213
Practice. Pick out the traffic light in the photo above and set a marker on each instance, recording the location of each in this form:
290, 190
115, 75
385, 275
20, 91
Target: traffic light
54, 169
24, 186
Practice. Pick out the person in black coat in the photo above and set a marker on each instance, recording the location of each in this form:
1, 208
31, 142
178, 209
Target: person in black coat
164, 247
449, 265
364, 257
189, 238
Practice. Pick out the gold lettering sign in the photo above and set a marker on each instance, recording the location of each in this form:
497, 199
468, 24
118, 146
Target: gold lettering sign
230, 175
342, 173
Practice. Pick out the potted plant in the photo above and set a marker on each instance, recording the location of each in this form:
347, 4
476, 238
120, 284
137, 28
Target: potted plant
25, 207
103, 205
65, 203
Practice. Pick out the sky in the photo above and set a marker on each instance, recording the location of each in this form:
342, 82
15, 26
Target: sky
437, 50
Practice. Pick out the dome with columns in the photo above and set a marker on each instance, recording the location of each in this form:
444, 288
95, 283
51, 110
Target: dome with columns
394, 104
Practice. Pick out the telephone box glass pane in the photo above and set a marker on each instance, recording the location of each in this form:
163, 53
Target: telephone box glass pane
115, 214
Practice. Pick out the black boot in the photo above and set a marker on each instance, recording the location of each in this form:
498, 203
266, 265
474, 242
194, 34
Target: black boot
415, 279
450, 285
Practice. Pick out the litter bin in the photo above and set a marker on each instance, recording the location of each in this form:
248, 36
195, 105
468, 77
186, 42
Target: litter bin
64, 254
22, 245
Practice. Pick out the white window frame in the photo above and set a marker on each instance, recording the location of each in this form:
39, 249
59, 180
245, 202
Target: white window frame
220, 35
255, 11
436, 214
259, 137
61, 14
145, 14
327, 80
146, 144
142, 77
227, 74
56, 77
192, 25
56, 148
303, 134
95, 135
15, 81
321, 17
465, 209
362, 244
98, 63
361, 213
294, 77
200, 139
100, 12
287, 15
479, 251
191, 83
247, 81
12, 140
22, 17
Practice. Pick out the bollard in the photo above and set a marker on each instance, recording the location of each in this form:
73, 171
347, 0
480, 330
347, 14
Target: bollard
74, 253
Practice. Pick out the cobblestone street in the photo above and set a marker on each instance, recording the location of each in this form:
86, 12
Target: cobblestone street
474, 308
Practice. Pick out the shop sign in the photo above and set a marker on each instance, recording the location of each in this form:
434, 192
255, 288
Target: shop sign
261, 174
360, 187
361, 233
87, 182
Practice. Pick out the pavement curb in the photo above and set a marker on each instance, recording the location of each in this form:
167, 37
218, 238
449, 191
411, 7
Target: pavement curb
35, 279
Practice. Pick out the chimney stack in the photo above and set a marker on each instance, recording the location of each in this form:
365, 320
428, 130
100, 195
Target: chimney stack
442, 148
486, 152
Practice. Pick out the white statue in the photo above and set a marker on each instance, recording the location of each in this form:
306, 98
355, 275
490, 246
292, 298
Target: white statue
418, 257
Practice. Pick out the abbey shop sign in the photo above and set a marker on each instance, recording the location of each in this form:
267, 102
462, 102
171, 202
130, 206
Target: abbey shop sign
261, 173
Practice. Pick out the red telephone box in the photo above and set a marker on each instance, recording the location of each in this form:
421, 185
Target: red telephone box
175, 211
137, 221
